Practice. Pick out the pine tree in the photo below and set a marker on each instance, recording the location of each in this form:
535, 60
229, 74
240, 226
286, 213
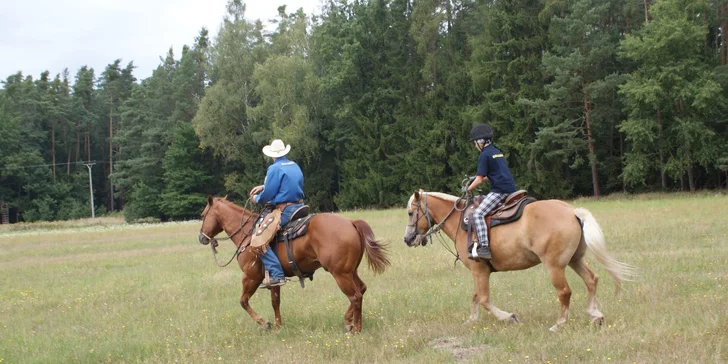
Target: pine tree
579, 111
506, 69
185, 177
670, 96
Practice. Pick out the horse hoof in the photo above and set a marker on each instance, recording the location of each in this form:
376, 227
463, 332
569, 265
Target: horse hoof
598, 321
554, 328
514, 319
267, 326
348, 328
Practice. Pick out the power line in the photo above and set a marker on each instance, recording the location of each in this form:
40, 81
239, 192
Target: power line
50, 165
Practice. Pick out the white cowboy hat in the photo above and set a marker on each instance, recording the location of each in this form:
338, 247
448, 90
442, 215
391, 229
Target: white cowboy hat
276, 149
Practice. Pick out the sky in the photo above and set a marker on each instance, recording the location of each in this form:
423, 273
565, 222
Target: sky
38, 35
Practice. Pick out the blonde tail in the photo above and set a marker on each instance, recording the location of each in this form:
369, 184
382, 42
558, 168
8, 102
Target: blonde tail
594, 239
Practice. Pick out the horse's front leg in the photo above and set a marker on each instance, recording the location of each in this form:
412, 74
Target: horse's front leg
482, 292
275, 299
474, 312
249, 288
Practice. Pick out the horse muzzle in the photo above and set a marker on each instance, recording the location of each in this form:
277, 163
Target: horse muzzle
413, 240
204, 240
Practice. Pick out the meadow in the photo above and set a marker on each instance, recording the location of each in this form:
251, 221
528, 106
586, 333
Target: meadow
103, 291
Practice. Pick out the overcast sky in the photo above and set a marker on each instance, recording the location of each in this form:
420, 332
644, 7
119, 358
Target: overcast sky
38, 35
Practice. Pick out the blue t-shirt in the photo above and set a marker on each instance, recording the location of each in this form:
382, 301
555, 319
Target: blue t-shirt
283, 183
492, 164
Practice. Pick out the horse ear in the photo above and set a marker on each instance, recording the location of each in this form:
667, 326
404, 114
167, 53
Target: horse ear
417, 195
209, 200
225, 198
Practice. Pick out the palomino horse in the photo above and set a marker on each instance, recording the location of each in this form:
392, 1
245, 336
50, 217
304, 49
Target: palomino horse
548, 232
333, 242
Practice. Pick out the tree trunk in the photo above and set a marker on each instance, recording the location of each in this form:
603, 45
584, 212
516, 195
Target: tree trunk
121, 192
647, 12
621, 157
723, 29
68, 152
78, 141
590, 141
627, 25
691, 179
87, 142
53, 148
663, 178
111, 151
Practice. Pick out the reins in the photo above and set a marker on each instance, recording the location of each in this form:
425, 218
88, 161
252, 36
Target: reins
241, 247
436, 229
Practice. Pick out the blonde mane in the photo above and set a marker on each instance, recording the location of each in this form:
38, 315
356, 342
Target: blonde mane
440, 195
443, 196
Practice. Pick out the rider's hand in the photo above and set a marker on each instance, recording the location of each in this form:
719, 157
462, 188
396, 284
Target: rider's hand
255, 190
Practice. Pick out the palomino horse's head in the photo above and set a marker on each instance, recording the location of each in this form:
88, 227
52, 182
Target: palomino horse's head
419, 220
211, 224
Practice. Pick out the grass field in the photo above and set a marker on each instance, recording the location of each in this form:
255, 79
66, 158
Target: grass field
107, 292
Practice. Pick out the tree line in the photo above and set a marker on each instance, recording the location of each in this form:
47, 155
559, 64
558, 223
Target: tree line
376, 97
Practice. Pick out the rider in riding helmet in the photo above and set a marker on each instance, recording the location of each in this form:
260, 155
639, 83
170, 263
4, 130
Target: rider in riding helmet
492, 168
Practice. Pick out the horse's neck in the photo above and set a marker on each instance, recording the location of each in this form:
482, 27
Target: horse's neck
235, 216
440, 216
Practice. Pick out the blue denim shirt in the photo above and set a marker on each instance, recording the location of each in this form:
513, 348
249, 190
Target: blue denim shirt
283, 183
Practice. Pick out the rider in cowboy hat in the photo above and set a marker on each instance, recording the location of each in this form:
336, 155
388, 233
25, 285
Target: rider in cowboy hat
491, 167
283, 188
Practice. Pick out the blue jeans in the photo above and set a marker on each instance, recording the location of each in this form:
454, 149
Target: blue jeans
269, 258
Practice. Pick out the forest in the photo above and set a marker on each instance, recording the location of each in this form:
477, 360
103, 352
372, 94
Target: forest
376, 98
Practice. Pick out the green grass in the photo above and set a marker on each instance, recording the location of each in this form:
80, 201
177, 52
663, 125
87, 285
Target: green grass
112, 292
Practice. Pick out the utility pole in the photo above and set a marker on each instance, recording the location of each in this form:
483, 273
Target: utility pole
91, 188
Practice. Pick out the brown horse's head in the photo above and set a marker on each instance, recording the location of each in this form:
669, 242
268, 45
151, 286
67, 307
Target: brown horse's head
419, 220
211, 224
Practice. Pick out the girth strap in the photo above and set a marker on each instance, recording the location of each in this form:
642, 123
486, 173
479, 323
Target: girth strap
292, 260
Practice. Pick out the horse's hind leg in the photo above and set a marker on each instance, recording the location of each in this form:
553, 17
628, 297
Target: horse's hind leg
558, 279
591, 280
249, 288
351, 315
347, 285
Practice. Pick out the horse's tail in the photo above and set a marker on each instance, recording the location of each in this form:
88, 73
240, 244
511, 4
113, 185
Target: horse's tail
594, 239
374, 250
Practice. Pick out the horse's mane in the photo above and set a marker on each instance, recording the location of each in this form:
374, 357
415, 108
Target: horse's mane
235, 206
443, 196
440, 195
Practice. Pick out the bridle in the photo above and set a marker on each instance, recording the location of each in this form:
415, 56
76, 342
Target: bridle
434, 229
241, 248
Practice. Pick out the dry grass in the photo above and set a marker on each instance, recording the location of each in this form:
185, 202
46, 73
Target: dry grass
151, 293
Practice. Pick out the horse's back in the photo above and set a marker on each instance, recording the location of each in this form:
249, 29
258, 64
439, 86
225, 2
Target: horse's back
547, 231
332, 241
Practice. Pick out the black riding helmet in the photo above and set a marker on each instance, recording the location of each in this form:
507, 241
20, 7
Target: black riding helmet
481, 131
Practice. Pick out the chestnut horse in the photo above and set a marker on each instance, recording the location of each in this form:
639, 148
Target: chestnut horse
333, 242
548, 232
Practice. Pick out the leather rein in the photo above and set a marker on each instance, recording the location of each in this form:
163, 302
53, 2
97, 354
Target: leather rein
241, 248
434, 229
